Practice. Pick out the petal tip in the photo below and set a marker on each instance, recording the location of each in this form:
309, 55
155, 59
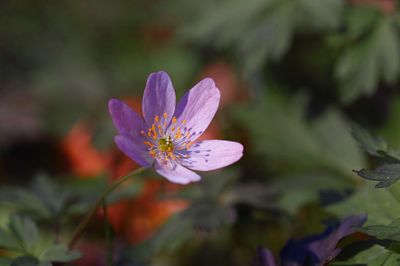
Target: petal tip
210, 85
159, 74
112, 102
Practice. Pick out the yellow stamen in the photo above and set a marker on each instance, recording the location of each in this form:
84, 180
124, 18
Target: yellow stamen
148, 143
178, 133
188, 145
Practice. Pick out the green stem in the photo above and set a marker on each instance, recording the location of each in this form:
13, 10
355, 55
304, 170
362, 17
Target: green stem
109, 241
82, 225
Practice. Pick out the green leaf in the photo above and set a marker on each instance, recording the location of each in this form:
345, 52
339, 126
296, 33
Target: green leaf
280, 132
372, 145
384, 232
8, 241
25, 231
264, 30
382, 206
59, 253
24, 200
386, 174
373, 256
372, 57
298, 190
25, 261
52, 194
45, 199
5, 261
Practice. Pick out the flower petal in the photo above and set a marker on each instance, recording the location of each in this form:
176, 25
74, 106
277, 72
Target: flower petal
127, 121
134, 150
198, 107
264, 257
158, 97
213, 154
176, 173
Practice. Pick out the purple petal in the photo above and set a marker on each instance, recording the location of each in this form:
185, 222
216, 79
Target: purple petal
213, 154
326, 249
264, 257
134, 150
198, 107
158, 98
127, 121
320, 249
177, 173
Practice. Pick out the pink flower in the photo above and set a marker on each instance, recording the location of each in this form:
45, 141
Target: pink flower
166, 135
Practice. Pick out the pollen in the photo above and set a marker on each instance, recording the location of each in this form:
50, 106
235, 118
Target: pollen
165, 144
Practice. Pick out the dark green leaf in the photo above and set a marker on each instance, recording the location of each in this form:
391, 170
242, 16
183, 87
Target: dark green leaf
25, 231
373, 256
51, 193
59, 253
381, 205
25, 261
384, 232
24, 200
369, 143
386, 174
287, 137
8, 241
298, 190
5, 261
372, 58
264, 30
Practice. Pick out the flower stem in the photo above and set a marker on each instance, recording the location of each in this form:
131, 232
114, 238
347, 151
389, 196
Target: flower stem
82, 225
109, 240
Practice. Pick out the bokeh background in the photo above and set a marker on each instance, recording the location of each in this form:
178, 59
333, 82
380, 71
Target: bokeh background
293, 75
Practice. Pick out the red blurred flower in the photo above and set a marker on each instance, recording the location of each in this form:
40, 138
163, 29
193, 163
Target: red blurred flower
138, 219
84, 158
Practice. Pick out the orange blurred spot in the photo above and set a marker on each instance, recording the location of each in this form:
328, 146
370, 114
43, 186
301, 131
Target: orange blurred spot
156, 35
387, 6
226, 80
84, 159
139, 219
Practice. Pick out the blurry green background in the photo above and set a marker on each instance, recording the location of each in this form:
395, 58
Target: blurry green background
293, 74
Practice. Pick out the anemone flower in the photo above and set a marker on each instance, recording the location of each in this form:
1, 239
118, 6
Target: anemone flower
165, 137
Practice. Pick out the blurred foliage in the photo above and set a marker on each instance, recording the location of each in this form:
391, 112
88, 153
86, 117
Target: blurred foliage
47, 200
264, 30
294, 75
26, 247
370, 52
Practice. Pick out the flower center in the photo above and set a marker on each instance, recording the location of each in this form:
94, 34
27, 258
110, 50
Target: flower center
165, 144
168, 140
